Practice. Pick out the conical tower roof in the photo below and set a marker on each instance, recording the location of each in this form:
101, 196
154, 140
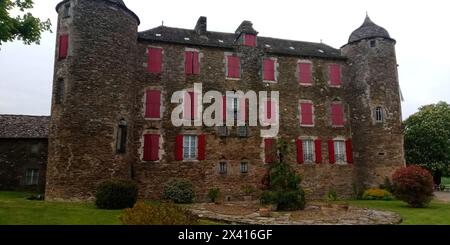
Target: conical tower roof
368, 30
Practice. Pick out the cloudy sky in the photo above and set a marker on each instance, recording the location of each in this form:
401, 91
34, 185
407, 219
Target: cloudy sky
421, 29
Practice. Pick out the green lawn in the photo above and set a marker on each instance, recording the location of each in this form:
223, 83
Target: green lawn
437, 213
15, 209
445, 180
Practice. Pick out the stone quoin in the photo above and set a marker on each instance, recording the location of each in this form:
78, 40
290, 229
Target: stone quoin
340, 109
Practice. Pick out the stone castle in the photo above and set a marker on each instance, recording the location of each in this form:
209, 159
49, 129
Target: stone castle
340, 109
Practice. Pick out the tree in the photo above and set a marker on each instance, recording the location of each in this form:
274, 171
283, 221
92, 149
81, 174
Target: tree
283, 182
427, 138
26, 27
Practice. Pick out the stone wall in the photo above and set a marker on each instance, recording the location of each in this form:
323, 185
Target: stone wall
16, 157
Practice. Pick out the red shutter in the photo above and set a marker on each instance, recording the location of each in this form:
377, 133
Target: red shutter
188, 62
299, 151
335, 74
190, 104
305, 73
331, 151
179, 148
151, 147
349, 151
269, 69
337, 115
153, 104
269, 110
234, 67
243, 105
318, 150
306, 110
224, 108
201, 147
154, 60
250, 40
196, 64
63, 46
269, 150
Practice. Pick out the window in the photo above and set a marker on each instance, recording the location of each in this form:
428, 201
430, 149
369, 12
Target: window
121, 139
379, 115
192, 66
244, 167
222, 167
339, 151
305, 73
66, 12
250, 40
335, 75
242, 131
151, 147
233, 67
223, 131
337, 115
190, 105
306, 114
269, 150
270, 111
60, 90
373, 43
308, 150
154, 62
190, 147
268, 69
153, 104
32, 177
63, 46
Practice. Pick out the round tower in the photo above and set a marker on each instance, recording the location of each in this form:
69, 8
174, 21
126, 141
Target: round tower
92, 101
375, 108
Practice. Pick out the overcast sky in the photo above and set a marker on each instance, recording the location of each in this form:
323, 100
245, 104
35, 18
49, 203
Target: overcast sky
421, 29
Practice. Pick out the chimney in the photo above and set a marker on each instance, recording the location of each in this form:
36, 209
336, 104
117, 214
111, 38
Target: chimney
200, 27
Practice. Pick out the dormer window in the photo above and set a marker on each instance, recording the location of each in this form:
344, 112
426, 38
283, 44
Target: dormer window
250, 40
66, 13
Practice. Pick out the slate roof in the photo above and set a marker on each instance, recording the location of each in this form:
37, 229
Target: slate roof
368, 30
24, 127
227, 40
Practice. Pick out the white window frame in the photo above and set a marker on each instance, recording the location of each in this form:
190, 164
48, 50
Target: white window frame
299, 71
227, 55
241, 168
340, 155
190, 147
300, 113
223, 167
275, 70
306, 148
379, 114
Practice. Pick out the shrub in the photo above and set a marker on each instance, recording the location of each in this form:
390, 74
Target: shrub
387, 185
332, 195
377, 194
213, 194
248, 189
284, 189
161, 214
116, 194
179, 191
413, 185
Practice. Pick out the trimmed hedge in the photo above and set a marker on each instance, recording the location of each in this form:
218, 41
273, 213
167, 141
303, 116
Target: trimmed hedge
179, 191
116, 194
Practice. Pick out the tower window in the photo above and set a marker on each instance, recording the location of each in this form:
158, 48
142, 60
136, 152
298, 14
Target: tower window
59, 93
379, 115
373, 43
121, 137
244, 167
63, 46
222, 167
66, 13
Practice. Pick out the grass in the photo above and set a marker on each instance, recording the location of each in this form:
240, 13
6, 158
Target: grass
445, 180
15, 209
437, 213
